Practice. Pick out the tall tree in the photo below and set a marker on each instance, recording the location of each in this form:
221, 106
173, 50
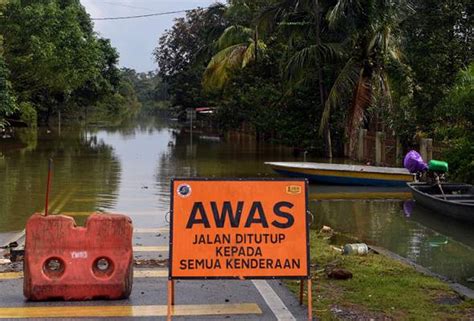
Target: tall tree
183, 51
51, 51
304, 19
7, 103
372, 42
439, 40
237, 46
455, 125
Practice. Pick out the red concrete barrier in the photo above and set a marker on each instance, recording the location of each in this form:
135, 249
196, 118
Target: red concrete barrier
64, 261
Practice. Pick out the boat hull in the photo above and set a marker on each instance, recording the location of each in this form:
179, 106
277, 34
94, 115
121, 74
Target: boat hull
463, 212
347, 178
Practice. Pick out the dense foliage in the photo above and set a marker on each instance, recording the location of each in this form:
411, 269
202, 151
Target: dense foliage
455, 125
57, 64
310, 73
151, 90
438, 42
183, 51
7, 104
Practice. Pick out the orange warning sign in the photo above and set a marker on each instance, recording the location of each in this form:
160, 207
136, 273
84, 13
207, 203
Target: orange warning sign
239, 229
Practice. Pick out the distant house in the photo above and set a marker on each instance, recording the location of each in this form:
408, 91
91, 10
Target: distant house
205, 110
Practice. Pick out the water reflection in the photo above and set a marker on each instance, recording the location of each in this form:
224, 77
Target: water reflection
128, 169
436, 242
84, 168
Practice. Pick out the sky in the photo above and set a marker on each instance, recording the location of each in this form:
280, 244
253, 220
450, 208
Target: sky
135, 39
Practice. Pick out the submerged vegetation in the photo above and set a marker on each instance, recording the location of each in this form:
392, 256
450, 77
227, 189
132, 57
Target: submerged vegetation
310, 73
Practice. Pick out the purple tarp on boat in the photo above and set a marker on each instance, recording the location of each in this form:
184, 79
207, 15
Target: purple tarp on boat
414, 163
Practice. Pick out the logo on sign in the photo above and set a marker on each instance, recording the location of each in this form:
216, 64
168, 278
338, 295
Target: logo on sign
293, 189
184, 190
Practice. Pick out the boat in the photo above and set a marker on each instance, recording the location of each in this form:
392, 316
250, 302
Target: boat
342, 174
452, 199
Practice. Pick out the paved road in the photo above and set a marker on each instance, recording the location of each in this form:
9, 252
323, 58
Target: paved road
195, 300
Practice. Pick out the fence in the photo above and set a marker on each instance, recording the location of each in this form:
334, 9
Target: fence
379, 148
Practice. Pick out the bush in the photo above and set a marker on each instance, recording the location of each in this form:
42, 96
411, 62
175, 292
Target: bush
28, 114
456, 125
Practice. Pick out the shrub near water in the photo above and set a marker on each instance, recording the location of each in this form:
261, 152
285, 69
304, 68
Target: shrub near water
456, 126
28, 114
381, 287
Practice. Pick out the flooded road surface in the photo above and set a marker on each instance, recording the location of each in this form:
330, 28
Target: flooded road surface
128, 170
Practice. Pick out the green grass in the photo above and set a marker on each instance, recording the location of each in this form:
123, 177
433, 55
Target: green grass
380, 287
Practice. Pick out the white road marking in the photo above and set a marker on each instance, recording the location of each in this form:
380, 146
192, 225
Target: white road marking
274, 302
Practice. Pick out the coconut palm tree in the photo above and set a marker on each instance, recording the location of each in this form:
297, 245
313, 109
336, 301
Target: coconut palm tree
372, 42
304, 17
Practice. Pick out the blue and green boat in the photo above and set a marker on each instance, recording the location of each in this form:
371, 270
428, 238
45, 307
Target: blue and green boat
342, 174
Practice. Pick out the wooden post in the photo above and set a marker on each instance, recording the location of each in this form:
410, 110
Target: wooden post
59, 122
398, 151
429, 149
170, 300
426, 149
379, 148
361, 144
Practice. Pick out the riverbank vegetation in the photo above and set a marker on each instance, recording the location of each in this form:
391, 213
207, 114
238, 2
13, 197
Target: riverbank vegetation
381, 288
53, 64
310, 73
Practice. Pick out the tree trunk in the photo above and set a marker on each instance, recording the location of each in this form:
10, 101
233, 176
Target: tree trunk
256, 45
360, 102
322, 96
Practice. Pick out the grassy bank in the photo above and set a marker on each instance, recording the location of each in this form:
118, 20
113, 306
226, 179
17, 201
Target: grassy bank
381, 289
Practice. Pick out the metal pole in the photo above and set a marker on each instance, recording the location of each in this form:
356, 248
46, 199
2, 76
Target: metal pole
48, 184
301, 291
191, 131
310, 301
59, 122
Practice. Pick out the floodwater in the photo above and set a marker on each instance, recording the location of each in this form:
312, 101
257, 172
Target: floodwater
128, 170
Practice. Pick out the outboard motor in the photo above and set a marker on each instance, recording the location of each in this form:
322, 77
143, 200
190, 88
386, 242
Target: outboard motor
433, 172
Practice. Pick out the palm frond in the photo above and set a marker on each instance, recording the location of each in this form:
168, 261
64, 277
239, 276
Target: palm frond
249, 55
234, 35
271, 15
344, 83
340, 10
310, 57
235, 58
217, 71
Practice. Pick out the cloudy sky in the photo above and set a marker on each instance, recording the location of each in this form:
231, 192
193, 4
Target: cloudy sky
135, 39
